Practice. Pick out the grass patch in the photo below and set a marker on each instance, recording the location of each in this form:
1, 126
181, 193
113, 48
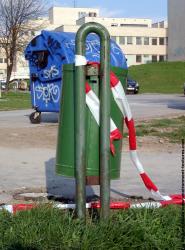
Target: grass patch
15, 100
171, 129
47, 228
163, 77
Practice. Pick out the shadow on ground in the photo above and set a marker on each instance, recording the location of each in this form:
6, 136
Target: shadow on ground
177, 104
62, 188
47, 117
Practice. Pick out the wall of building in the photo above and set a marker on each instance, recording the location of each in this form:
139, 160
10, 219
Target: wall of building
68, 16
117, 22
176, 30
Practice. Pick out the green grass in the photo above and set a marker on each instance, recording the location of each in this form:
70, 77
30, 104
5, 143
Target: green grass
15, 100
172, 129
164, 77
47, 229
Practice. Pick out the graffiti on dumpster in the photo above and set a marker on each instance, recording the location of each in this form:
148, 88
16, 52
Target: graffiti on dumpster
93, 48
53, 44
48, 93
51, 73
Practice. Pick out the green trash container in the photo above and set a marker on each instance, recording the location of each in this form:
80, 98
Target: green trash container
65, 145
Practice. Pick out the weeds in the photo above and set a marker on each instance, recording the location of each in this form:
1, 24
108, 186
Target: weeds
171, 129
47, 228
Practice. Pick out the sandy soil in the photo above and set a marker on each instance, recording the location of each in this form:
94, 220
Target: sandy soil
40, 136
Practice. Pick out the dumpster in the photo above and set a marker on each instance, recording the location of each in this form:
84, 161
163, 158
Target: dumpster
46, 54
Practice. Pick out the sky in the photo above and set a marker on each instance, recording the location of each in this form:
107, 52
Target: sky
154, 9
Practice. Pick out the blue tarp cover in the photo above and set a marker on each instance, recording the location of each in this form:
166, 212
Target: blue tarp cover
45, 87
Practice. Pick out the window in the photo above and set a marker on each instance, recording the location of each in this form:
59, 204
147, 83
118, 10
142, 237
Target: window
5, 60
92, 14
138, 40
113, 38
129, 40
133, 25
114, 25
146, 41
1, 60
161, 41
138, 58
122, 40
154, 41
161, 58
81, 14
166, 40
154, 58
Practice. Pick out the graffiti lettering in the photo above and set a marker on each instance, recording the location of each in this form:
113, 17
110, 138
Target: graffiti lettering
51, 73
53, 44
93, 48
48, 93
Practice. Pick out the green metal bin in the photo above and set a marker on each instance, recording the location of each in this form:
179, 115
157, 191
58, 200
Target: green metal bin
65, 144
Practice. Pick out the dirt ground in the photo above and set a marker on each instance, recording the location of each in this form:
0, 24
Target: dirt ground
46, 137
41, 136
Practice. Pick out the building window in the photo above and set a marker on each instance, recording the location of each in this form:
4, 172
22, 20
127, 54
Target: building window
129, 40
161, 41
114, 24
166, 40
154, 41
92, 14
161, 58
138, 58
138, 40
133, 25
1, 60
5, 60
146, 41
81, 14
122, 40
154, 58
113, 38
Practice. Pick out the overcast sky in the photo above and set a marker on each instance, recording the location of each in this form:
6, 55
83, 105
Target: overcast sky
154, 9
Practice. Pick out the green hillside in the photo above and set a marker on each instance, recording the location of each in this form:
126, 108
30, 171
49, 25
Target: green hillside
163, 77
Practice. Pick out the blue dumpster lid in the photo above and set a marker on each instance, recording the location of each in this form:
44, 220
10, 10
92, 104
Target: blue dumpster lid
61, 46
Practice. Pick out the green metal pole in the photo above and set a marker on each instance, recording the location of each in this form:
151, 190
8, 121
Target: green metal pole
104, 118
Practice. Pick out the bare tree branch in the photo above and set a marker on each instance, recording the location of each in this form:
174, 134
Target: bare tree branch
17, 17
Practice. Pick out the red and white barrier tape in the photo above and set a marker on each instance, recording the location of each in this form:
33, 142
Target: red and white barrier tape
93, 104
175, 200
118, 92
121, 100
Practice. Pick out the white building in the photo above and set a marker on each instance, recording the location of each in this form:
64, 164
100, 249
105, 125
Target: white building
140, 40
176, 31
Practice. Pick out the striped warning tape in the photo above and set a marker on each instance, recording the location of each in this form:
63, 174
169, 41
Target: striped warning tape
175, 200
120, 98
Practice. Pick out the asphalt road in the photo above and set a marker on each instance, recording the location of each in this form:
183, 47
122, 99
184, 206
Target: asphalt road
146, 106
143, 106
34, 167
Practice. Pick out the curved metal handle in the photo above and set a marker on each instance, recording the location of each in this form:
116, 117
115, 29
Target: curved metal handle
81, 35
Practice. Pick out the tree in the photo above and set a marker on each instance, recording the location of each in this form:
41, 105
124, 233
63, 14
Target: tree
16, 17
